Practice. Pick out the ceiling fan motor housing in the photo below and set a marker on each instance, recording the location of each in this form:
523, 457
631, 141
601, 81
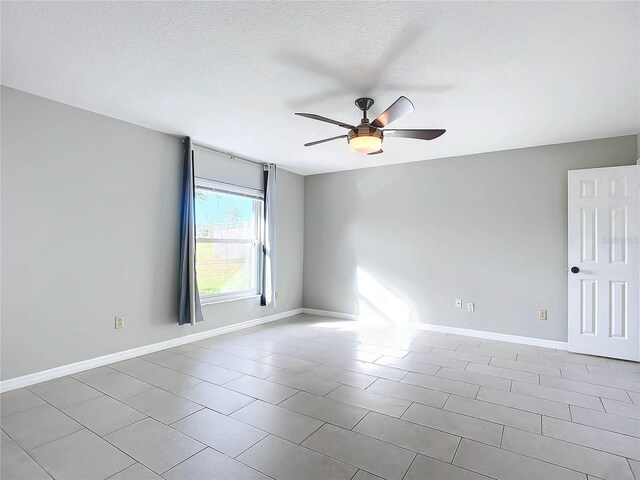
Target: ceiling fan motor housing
364, 130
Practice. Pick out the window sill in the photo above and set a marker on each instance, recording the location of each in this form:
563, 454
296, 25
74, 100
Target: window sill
213, 301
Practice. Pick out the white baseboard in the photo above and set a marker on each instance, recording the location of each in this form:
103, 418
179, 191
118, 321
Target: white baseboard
502, 337
57, 372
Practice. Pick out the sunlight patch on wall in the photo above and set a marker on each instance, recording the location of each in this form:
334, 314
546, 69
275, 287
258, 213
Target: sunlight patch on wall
378, 304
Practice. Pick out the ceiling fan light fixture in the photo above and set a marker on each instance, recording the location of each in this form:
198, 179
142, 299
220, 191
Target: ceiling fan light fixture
365, 144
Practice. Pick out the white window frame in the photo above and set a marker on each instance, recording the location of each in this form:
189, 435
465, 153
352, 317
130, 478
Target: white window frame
258, 197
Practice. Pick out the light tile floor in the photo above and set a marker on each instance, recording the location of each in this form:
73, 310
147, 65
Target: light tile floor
316, 398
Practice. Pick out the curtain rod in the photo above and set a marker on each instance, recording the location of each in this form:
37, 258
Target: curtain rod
230, 155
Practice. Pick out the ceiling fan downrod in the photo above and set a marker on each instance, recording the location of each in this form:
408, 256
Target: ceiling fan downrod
364, 104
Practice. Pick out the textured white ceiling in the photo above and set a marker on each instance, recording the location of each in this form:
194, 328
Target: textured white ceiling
496, 75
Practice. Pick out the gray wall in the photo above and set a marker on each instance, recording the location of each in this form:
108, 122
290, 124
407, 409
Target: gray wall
488, 228
90, 215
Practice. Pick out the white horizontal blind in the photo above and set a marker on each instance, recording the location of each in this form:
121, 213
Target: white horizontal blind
226, 170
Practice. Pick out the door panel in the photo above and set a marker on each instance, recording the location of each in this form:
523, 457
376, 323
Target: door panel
589, 236
604, 231
589, 310
618, 306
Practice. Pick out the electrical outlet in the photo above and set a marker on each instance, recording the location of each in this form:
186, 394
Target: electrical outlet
458, 303
119, 322
471, 307
542, 314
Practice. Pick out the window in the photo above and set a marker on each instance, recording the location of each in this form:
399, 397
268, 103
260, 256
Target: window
228, 226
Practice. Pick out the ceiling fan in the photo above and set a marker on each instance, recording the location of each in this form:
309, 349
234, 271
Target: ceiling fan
366, 138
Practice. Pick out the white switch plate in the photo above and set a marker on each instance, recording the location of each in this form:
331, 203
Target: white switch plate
471, 307
119, 322
458, 303
542, 314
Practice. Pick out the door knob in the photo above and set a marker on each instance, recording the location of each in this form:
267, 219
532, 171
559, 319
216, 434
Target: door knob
575, 269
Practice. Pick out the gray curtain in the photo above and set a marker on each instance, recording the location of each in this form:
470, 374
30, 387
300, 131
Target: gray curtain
268, 287
190, 309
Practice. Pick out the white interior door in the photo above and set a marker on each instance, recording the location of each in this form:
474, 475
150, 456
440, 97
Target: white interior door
604, 251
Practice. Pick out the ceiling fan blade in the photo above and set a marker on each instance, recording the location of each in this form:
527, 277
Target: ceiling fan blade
375, 153
310, 144
325, 119
401, 107
420, 134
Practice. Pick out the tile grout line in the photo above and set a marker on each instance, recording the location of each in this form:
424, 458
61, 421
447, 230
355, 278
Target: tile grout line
131, 396
412, 402
556, 464
358, 422
307, 437
410, 465
120, 471
364, 435
250, 446
424, 426
190, 456
209, 446
84, 427
587, 446
632, 470
27, 452
456, 452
